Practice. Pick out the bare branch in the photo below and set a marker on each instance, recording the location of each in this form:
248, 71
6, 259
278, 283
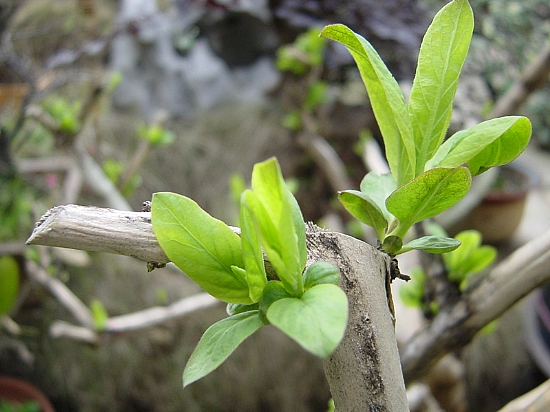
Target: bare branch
327, 159
159, 314
362, 372
537, 400
67, 298
134, 321
99, 230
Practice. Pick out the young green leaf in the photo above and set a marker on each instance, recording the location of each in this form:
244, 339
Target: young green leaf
99, 314
491, 143
480, 259
386, 99
363, 208
204, 248
505, 149
282, 227
317, 320
470, 240
427, 195
392, 244
273, 291
252, 251
236, 308
432, 244
470, 257
218, 342
442, 54
378, 187
320, 273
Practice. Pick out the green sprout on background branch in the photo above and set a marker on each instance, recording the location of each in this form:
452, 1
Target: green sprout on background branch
460, 265
428, 174
304, 303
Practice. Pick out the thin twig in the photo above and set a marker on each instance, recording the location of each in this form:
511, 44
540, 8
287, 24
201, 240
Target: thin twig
62, 293
159, 314
139, 320
324, 155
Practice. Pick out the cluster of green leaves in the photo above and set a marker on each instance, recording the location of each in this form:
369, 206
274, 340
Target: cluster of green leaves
470, 258
467, 260
304, 303
156, 135
65, 113
16, 200
303, 54
99, 314
299, 58
113, 169
428, 174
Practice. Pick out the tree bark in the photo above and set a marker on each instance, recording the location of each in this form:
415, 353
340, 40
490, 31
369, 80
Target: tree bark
364, 373
97, 229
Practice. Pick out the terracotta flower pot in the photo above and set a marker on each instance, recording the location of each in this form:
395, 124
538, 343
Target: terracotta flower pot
18, 391
12, 95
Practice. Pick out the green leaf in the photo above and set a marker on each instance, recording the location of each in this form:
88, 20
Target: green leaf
236, 308
218, 342
506, 148
369, 205
442, 54
9, 283
99, 314
317, 321
432, 244
427, 195
204, 248
491, 143
316, 95
480, 259
470, 240
386, 99
378, 187
470, 257
252, 251
392, 244
319, 273
282, 226
363, 208
273, 291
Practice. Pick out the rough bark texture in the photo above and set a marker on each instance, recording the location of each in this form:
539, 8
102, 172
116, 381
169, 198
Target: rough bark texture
364, 373
99, 230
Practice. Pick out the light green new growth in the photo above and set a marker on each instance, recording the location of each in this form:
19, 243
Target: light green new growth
427, 175
305, 304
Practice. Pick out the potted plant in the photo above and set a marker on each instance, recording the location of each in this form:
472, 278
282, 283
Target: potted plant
20, 396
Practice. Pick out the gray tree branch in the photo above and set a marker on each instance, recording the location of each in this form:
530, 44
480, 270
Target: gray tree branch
363, 372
